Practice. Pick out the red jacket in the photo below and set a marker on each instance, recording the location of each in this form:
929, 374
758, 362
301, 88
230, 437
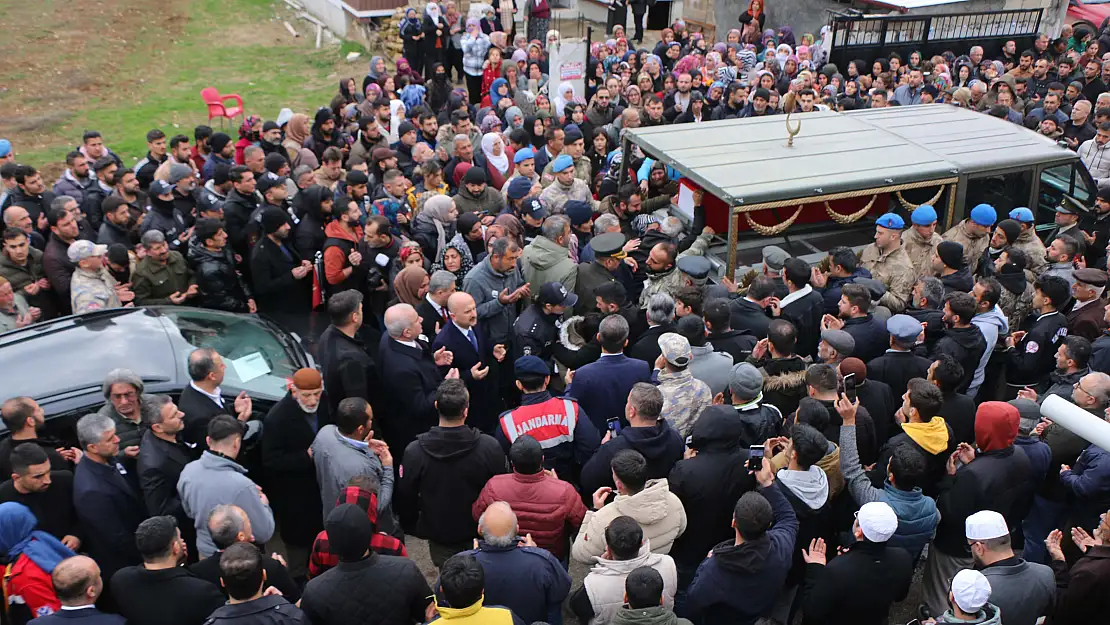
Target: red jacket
544, 507
28, 591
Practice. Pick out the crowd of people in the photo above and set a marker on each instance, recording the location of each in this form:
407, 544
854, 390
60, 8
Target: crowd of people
522, 361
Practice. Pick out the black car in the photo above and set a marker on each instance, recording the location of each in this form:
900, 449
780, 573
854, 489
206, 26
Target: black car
61, 363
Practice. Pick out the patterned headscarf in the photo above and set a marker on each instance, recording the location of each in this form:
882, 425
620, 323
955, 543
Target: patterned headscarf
246, 129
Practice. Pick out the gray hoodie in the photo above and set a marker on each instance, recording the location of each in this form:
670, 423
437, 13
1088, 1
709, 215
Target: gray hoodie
810, 486
992, 324
215, 480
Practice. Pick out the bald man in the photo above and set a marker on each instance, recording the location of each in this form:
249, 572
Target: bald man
473, 354
18, 217
520, 576
78, 585
412, 374
229, 525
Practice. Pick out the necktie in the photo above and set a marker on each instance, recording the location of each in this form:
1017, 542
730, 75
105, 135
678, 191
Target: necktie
473, 339
443, 313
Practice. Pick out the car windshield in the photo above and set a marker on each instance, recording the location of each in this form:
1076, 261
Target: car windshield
256, 360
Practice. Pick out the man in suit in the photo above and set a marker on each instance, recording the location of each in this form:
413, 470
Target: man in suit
899, 364
602, 387
162, 460
433, 308
660, 318
78, 585
202, 399
111, 507
472, 352
348, 368
1086, 315
412, 377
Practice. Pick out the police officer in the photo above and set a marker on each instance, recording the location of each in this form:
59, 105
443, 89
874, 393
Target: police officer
1032, 355
608, 266
537, 328
565, 433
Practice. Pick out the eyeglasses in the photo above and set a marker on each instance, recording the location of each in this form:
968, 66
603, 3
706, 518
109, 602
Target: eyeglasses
1077, 386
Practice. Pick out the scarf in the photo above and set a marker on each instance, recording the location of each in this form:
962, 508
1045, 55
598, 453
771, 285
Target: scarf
18, 536
501, 163
374, 76
297, 130
408, 283
457, 243
438, 209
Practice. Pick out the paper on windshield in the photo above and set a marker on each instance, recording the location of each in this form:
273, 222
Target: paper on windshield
250, 367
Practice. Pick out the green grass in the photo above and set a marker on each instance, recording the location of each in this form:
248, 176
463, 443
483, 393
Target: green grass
233, 45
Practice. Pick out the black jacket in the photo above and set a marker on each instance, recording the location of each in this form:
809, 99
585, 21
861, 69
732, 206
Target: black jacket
866, 442
1034, 357
958, 411
262, 611
348, 369
342, 595
881, 403
277, 575
199, 410
219, 284
290, 472
896, 369
276, 290
165, 218
237, 215
784, 382
959, 282
709, 484
166, 597
412, 378
647, 348
935, 464
933, 319
443, 472
872, 338
53, 507
736, 343
966, 345
805, 313
998, 480
748, 315
159, 466
110, 234
832, 592
661, 445
110, 511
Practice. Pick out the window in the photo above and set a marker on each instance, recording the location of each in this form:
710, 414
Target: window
1004, 192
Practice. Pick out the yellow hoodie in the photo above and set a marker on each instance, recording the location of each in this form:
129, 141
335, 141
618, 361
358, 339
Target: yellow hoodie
932, 436
475, 614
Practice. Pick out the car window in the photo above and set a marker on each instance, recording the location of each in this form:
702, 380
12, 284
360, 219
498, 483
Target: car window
256, 360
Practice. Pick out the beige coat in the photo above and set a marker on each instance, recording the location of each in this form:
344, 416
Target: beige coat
658, 511
895, 270
920, 251
974, 244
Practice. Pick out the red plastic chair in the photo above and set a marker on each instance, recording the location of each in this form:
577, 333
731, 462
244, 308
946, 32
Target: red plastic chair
215, 103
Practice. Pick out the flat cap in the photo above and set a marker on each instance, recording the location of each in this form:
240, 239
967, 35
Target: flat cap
903, 327
840, 340
775, 257
697, 267
1091, 276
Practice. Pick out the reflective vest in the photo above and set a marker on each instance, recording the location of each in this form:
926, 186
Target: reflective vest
551, 422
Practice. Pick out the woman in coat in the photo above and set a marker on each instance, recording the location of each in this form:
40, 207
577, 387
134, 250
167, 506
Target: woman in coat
435, 225
475, 44
435, 35
31, 555
412, 37
296, 133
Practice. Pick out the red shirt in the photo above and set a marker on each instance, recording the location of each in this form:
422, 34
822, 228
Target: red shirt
28, 587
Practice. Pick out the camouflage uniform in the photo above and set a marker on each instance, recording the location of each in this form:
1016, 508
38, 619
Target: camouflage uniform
582, 169
684, 397
920, 251
1017, 307
895, 270
974, 245
1031, 244
556, 195
673, 281
92, 291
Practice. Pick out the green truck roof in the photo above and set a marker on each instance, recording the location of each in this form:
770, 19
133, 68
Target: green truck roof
746, 161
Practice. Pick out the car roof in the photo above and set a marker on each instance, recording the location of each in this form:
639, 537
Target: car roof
747, 161
72, 354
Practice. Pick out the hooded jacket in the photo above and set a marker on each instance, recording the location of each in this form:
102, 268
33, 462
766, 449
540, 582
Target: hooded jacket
309, 237
992, 324
967, 346
545, 261
809, 493
659, 615
213, 480
604, 584
660, 445
709, 485
443, 473
934, 439
959, 282
658, 511
999, 479
489, 202
742, 582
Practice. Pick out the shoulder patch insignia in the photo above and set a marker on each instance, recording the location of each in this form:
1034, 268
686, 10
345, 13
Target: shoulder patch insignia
1032, 348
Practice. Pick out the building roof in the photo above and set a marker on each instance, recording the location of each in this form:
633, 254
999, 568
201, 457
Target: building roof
746, 161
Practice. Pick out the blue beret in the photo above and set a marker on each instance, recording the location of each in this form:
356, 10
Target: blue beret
562, 162
923, 215
984, 215
531, 365
903, 327
1022, 214
892, 221
523, 154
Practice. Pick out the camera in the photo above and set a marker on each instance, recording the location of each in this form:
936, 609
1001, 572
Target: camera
374, 279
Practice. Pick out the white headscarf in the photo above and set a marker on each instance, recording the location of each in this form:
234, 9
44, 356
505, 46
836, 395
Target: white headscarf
432, 11
560, 101
500, 162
